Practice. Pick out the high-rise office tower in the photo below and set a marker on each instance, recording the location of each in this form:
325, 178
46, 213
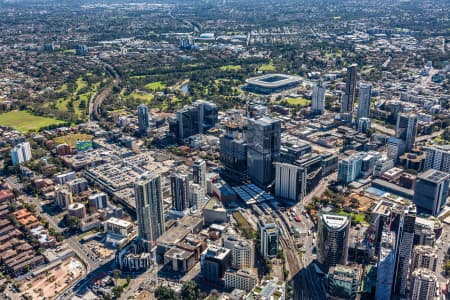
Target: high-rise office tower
318, 98
149, 209
20, 153
386, 266
143, 122
403, 222
399, 219
348, 99
424, 257
364, 125
437, 158
332, 240
263, 149
364, 95
290, 182
233, 156
179, 186
199, 173
431, 191
194, 119
268, 234
208, 113
406, 129
423, 284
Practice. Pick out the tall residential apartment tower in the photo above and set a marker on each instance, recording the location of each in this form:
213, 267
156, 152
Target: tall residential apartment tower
149, 209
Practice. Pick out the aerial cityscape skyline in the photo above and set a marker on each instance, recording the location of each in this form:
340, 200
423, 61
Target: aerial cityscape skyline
232, 150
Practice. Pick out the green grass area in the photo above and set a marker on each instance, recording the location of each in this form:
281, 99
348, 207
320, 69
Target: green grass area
440, 141
244, 226
267, 67
71, 139
357, 218
141, 96
62, 103
70, 51
299, 101
155, 86
24, 121
62, 88
86, 234
231, 68
81, 84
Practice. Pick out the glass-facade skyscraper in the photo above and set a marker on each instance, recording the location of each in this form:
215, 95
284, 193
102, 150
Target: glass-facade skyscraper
263, 148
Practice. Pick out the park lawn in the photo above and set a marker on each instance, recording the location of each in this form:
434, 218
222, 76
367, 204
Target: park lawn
267, 67
141, 96
61, 104
71, 139
62, 88
24, 121
358, 218
231, 68
298, 101
81, 84
155, 86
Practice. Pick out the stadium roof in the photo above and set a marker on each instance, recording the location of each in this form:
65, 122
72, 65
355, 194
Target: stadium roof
273, 80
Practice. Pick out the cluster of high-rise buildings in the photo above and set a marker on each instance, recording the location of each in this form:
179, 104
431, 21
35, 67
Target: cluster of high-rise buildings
193, 119
405, 266
255, 150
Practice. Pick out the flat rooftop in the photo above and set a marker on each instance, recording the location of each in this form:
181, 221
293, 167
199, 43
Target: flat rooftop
434, 176
216, 252
119, 222
213, 203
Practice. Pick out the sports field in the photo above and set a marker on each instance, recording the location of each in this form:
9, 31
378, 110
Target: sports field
24, 121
